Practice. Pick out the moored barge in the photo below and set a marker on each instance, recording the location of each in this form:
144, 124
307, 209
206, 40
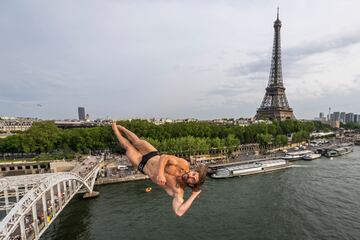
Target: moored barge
250, 168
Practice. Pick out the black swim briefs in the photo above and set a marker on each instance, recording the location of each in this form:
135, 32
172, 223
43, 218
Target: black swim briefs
145, 159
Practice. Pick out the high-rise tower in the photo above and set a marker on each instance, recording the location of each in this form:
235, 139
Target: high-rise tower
275, 104
81, 111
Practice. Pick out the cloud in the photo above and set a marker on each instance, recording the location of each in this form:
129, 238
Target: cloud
316, 47
195, 68
294, 54
234, 88
24, 83
259, 66
156, 59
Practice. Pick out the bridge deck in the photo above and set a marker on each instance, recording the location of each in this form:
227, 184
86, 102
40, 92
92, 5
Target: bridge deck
32, 202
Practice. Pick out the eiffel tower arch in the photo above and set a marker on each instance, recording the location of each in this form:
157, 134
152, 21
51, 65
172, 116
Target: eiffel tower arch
275, 104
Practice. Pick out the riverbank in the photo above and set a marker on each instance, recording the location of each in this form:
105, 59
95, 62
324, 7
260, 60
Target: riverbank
112, 180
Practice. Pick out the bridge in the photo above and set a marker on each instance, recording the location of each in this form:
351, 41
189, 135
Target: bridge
30, 203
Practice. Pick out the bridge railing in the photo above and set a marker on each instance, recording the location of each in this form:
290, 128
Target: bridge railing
36, 210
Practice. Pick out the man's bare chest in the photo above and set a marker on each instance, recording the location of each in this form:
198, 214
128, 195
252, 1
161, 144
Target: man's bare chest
174, 170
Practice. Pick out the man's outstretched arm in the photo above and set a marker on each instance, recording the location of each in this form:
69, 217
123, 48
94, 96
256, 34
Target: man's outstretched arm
180, 206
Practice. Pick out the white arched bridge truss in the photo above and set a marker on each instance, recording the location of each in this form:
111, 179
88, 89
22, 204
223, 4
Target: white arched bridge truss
32, 202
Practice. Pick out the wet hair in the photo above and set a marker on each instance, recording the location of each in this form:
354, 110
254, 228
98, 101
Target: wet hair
202, 170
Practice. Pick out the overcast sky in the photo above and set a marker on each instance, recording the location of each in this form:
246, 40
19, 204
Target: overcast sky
175, 59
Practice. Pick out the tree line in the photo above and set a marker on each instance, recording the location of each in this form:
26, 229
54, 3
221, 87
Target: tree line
180, 136
46, 138
350, 125
190, 137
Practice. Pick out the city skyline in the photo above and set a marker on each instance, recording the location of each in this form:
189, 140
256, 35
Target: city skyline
204, 60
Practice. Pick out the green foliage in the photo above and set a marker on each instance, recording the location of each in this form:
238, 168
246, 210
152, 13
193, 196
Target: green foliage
12, 144
42, 137
231, 142
191, 137
46, 139
300, 136
350, 125
264, 139
280, 140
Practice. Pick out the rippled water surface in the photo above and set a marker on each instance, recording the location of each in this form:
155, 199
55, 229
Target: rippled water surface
313, 200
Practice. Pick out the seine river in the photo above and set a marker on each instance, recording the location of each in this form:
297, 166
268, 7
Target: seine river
313, 200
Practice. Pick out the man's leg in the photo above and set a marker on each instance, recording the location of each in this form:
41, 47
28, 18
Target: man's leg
142, 146
134, 156
131, 152
129, 134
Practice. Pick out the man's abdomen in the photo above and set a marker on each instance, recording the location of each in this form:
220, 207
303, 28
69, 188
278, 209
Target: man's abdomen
152, 167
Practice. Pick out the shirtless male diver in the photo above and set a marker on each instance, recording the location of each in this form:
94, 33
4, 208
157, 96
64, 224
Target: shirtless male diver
171, 173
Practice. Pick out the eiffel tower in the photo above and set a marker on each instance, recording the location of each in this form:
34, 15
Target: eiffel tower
275, 104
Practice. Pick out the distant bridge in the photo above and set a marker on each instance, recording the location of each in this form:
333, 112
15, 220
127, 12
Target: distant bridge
32, 202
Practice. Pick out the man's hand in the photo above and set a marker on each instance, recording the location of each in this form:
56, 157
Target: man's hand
161, 180
195, 194
180, 206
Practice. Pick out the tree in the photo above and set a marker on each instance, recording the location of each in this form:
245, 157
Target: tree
231, 142
42, 137
281, 140
300, 136
264, 139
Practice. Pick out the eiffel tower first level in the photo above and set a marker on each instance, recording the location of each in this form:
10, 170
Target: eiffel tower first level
275, 105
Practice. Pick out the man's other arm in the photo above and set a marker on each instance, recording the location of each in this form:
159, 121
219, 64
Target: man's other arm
180, 206
161, 180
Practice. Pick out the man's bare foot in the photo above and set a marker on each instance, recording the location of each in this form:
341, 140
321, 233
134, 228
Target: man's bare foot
114, 127
121, 127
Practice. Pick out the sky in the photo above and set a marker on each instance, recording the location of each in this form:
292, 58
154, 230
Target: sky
175, 59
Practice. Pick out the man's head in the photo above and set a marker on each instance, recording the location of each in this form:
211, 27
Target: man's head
195, 178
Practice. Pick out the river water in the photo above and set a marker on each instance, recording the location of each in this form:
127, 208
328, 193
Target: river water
319, 199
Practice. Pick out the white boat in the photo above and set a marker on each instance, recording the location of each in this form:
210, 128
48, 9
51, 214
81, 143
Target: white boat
335, 152
250, 168
312, 156
292, 156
